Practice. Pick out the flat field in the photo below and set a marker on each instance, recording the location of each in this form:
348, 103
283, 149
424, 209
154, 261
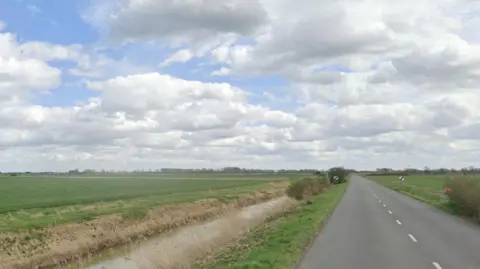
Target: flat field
39, 201
427, 188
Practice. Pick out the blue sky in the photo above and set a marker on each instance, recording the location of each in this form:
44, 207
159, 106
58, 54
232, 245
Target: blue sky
55, 21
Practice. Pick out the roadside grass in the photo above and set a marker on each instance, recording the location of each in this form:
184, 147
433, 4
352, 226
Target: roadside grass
280, 242
36, 218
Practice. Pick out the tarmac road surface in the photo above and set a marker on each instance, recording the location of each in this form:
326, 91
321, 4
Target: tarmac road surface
376, 228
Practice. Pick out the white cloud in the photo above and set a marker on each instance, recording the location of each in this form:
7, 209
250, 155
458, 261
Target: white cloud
49, 52
21, 75
177, 21
221, 72
366, 86
181, 56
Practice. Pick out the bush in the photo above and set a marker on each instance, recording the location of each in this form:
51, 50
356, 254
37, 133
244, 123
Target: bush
464, 195
307, 187
339, 172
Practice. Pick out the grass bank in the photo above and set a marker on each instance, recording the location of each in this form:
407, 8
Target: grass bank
280, 242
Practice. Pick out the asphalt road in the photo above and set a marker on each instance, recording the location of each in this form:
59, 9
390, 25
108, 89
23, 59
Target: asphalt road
376, 228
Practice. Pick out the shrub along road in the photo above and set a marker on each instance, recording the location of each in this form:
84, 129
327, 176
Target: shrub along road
375, 227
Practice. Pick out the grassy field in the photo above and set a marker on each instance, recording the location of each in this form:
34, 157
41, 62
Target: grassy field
28, 202
426, 188
279, 243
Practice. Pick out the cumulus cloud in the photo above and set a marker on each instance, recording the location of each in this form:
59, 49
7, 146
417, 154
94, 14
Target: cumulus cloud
177, 21
364, 85
20, 75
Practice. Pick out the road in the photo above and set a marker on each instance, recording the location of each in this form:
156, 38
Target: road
376, 228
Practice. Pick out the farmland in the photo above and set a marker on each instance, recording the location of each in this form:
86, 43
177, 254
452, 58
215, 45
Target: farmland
463, 200
39, 201
47, 218
426, 188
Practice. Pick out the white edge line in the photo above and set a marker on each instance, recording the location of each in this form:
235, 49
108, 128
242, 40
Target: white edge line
390, 212
437, 265
412, 237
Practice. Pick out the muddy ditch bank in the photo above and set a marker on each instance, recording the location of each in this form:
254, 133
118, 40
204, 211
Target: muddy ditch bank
180, 249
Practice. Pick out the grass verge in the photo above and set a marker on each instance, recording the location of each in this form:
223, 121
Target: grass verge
280, 242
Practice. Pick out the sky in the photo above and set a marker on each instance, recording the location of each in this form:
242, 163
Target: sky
274, 84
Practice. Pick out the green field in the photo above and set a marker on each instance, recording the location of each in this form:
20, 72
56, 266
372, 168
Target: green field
426, 188
38, 201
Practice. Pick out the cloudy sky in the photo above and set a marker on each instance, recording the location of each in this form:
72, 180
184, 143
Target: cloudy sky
138, 84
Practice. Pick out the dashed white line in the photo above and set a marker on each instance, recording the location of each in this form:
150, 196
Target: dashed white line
379, 200
437, 266
399, 223
384, 205
412, 237
390, 212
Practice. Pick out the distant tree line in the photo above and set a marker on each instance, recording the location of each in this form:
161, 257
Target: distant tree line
425, 170
233, 169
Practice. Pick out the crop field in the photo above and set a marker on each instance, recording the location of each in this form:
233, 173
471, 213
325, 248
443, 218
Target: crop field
39, 201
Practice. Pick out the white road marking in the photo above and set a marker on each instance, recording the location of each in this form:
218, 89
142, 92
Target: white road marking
412, 237
384, 205
390, 212
437, 266
379, 200
399, 223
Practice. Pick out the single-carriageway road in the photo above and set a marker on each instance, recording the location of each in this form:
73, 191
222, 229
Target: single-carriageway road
376, 228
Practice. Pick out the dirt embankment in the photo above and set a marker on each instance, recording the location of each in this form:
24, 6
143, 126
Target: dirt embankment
57, 245
187, 245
